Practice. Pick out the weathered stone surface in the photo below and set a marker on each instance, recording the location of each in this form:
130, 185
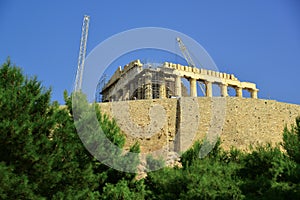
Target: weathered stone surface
240, 122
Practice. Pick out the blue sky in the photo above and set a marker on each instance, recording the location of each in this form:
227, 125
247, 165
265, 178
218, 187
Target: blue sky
258, 41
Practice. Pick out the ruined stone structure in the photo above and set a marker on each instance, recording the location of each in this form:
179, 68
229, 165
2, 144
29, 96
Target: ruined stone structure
173, 124
141, 81
159, 81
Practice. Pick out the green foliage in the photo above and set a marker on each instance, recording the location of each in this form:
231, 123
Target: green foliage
207, 178
291, 141
42, 156
166, 183
153, 164
269, 173
193, 154
39, 147
265, 173
14, 186
124, 190
262, 169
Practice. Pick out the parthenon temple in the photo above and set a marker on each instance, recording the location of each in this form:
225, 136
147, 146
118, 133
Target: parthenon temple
151, 81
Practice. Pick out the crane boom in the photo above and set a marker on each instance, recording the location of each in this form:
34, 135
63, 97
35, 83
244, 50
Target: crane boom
185, 53
188, 58
82, 52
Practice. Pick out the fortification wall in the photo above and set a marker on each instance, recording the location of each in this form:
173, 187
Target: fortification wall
240, 121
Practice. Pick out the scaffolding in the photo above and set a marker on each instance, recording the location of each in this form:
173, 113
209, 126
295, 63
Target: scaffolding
101, 83
153, 81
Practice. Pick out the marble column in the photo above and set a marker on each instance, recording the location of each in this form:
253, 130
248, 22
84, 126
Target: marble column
193, 87
178, 86
148, 88
254, 93
162, 90
239, 92
224, 92
127, 94
120, 95
139, 89
131, 90
208, 88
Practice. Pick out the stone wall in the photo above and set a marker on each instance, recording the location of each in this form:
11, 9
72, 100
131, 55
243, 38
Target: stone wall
239, 121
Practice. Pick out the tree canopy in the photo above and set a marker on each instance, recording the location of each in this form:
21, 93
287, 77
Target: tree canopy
41, 155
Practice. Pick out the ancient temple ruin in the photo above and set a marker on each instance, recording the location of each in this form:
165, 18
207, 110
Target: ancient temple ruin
151, 81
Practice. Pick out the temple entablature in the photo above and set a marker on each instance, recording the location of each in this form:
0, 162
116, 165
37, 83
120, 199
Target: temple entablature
209, 77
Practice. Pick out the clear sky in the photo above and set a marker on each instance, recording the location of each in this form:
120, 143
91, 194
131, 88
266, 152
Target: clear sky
258, 41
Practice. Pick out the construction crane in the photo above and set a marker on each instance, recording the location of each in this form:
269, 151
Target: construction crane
82, 52
188, 58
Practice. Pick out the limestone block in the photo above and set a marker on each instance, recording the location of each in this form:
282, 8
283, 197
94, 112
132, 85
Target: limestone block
138, 63
196, 70
248, 85
166, 64
125, 67
188, 122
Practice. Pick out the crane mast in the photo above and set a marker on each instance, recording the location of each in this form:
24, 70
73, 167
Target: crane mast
82, 52
188, 58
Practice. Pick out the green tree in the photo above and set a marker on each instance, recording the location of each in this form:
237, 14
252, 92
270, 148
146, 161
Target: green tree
213, 177
39, 147
41, 155
291, 141
270, 173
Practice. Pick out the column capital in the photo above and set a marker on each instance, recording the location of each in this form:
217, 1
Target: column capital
223, 84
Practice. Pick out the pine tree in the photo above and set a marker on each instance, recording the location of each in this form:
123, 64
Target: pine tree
41, 155
291, 141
